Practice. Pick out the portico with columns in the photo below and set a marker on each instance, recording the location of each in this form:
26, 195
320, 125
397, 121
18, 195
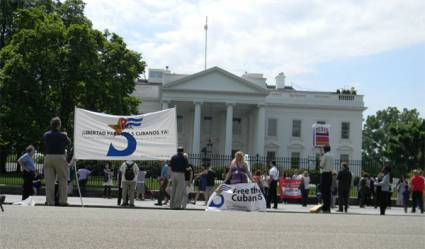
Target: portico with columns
212, 118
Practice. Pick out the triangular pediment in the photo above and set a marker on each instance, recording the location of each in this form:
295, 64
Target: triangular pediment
215, 80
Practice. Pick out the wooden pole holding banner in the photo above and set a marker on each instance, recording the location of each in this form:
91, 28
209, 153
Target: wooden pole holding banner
75, 164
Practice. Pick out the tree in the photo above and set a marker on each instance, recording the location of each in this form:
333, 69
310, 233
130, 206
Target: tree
396, 137
53, 61
7, 10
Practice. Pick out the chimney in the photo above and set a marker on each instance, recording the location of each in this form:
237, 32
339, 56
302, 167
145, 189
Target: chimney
280, 81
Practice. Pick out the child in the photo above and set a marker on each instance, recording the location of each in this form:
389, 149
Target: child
257, 179
36, 183
406, 194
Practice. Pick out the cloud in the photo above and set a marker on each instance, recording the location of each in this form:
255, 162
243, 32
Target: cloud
260, 36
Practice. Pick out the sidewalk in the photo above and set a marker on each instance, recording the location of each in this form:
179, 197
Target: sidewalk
91, 202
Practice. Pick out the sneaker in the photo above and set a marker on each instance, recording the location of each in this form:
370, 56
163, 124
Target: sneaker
131, 205
158, 204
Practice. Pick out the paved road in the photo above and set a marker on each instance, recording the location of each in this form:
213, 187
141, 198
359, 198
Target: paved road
70, 227
149, 204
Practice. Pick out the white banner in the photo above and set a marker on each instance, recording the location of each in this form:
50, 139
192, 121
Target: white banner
243, 197
99, 136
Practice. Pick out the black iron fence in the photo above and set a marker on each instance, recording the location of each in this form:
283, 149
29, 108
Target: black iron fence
257, 164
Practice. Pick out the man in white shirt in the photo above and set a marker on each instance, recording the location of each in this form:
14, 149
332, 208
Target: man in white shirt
273, 178
129, 171
327, 165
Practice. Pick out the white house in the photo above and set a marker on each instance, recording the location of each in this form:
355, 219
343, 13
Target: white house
219, 112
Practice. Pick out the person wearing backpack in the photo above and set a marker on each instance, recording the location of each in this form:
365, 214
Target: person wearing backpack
129, 171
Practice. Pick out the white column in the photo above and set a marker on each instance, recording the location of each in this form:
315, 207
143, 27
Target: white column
164, 105
229, 129
261, 129
197, 128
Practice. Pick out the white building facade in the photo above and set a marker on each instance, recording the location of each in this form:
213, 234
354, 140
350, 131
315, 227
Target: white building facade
220, 113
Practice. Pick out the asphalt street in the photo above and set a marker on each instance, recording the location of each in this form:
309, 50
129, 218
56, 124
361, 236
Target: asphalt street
71, 227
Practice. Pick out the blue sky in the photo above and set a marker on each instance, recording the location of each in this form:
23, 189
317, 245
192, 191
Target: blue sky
393, 78
376, 46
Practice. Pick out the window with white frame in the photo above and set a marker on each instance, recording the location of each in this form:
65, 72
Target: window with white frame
272, 127
295, 159
345, 130
236, 126
271, 155
344, 158
179, 123
296, 128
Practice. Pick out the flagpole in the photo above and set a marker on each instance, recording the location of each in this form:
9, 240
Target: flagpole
206, 41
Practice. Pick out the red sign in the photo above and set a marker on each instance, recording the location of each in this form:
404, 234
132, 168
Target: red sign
290, 188
320, 134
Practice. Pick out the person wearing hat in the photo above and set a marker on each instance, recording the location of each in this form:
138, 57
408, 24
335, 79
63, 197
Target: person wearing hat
129, 171
178, 164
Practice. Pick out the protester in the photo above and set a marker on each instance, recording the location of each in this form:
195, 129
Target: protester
421, 173
83, 177
406, 195
287, 177
71, 171
344, 185
28, 168
178, 165
188, 178
385, 188
257, 179
334, 189
55, 165
140, 185
107, 180
206, 182
402, 183
211, 175
265, 182
274, 177
378, 189
327, 163
305, 188
372, 196
200, 181
417, 183
36, 183
129, 172
238, 172
163, 183
363, 189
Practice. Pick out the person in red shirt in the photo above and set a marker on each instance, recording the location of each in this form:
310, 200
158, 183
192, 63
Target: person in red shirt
417, 183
